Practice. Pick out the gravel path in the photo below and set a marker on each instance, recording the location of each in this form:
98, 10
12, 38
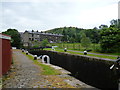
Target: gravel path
25, 74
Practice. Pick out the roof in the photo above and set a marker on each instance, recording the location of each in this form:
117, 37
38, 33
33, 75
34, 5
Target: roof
4, 36
44, 33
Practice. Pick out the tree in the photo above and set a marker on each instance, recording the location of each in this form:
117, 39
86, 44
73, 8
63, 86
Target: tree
44, 43
15, 36
85, 41
115, 23
64, 38
93, 34
35, 43
110, 39
95, 28
103, 26
74, 34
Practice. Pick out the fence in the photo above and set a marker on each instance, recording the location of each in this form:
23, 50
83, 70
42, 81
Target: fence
93, 71
5, 52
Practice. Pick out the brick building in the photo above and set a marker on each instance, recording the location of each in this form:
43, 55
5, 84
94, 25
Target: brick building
29, 36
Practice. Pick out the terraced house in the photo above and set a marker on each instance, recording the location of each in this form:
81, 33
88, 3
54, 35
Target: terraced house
29, 36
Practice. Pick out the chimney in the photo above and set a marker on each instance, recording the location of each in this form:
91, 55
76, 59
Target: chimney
32, 30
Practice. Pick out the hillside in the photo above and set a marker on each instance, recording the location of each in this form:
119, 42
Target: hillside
73, 34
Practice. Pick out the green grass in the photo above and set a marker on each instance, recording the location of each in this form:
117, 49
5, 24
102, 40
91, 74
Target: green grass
29, 56
46, 69
114, 54
78, 47
61, 50
93, 55
79, 53
102, 56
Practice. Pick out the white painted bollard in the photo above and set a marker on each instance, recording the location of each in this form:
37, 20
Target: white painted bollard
48, 59
85, 52
35, 57
65, 49
53, 49
26, 52
22, 50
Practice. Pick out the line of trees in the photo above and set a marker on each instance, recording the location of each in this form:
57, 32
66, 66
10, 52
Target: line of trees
17, 42
15, 37
110, 37
107, 36
74, 34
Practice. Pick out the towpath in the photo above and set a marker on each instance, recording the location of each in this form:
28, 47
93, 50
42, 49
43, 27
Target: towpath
94, 53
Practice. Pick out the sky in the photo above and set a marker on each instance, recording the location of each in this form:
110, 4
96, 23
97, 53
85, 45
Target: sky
44, 15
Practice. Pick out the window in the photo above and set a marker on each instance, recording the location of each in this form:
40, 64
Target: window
29, 38
32, 35
38, 36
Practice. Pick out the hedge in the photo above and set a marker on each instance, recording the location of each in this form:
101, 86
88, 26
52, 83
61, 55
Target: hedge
91, 70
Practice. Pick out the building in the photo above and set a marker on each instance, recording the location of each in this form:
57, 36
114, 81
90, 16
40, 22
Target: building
28, 37
5, 54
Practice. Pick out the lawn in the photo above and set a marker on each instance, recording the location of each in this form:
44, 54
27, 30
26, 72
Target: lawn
76, 46
80, 53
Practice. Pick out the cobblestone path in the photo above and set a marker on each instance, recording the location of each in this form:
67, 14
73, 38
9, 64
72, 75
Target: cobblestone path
25, 74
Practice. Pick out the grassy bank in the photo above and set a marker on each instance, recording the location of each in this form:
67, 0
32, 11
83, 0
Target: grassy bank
77, 46
81, 53
46, 69
51, 75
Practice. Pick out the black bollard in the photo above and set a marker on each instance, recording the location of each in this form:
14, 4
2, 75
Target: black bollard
35, 57
26, 52
65, 49
85, 52
22, 50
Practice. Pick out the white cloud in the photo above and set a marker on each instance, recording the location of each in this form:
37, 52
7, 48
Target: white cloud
86, 1
119, 10
97, 16
44, 14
